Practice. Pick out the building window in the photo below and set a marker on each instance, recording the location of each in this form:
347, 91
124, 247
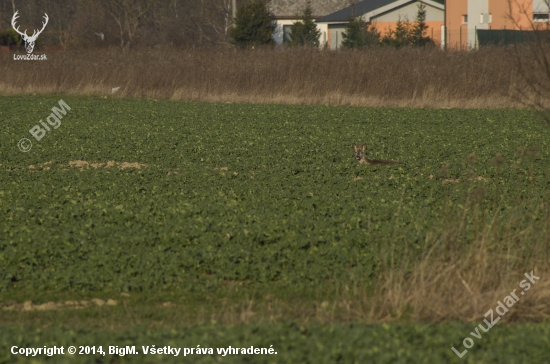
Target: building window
540, 17
287, 31
465, 19
485, 18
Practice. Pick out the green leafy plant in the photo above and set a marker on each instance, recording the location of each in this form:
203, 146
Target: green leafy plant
267, 194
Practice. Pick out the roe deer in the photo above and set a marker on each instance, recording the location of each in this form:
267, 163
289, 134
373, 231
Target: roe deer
362, 158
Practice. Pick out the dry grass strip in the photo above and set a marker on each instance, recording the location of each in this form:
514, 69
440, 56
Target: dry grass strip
428, 78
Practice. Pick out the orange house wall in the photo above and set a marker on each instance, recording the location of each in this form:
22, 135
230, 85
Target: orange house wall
435, 26
499, 10
455, 9
522, 11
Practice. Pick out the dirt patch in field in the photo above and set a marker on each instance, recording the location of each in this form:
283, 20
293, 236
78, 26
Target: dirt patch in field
479, 178
226, 169
40, 167
125, 165
82, 165
456, 180
48, 306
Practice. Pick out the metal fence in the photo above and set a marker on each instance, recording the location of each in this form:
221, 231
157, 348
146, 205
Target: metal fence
506, 37
462, 39
467, 39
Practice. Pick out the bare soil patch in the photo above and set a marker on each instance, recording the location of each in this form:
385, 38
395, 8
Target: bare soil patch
82, 165
48, 306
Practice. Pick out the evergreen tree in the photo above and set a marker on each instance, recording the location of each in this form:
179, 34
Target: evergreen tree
402, 33
406, 34
420, 28
359, 34
305, 32
399, 37
10, 37
253, 25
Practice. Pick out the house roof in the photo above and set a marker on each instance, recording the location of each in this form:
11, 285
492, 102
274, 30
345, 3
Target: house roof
370, 6
295, 8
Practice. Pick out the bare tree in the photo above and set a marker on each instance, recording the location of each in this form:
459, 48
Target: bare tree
129, 15
168, 21
127, 22
63, 15
532, 59
213, 21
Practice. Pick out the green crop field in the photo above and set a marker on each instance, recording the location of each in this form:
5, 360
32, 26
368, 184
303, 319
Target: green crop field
192, 209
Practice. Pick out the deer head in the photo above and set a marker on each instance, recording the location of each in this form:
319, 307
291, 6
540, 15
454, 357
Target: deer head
29, 40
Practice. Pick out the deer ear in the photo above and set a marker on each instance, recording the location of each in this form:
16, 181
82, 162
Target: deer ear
364, 147
354, 146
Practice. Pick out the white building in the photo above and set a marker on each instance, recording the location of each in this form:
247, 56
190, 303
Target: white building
288, 12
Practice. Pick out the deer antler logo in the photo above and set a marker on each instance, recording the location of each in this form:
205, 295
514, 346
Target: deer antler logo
29, 40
